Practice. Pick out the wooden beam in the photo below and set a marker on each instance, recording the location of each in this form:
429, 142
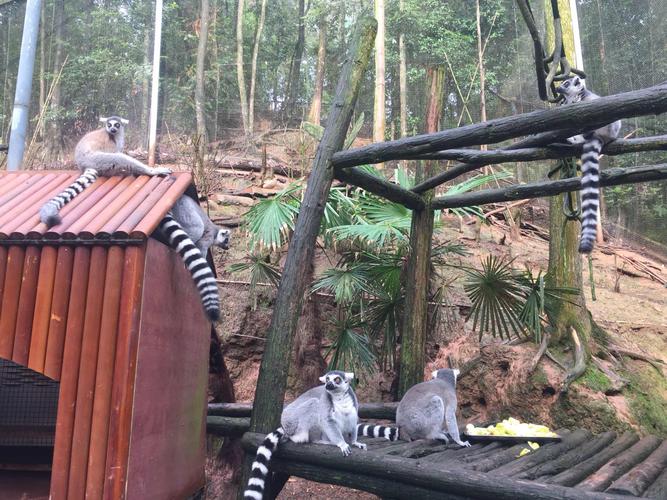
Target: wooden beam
381, 411
610, 177
380, 187
446, 478
587, 115
227, 426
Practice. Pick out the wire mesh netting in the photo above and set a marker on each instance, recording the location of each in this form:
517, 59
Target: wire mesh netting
28, 406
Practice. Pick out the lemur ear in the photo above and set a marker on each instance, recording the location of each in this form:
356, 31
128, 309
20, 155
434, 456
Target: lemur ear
349, 376
434, 374
103, 119
124, 121
456, 373
323, 379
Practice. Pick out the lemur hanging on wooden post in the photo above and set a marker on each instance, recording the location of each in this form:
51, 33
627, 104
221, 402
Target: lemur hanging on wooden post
574, 90
326, 414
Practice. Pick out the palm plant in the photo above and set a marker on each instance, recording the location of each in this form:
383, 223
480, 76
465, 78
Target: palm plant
508, 302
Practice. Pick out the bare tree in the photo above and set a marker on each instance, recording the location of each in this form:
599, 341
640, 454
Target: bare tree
316, 104
253, 70
199, 84
239, 68
295, 66
379, 101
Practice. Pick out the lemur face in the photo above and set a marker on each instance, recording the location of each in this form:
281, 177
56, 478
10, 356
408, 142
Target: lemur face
337, 381
222, 238
571, 86
113, 124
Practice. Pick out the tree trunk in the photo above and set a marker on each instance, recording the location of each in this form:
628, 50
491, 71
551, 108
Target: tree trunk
415, 321
379, 99
316, 104
294, 78
482, 71
199, 83
253, 70
239, 69
55, 145
571, 316
402, 77
273, 371
145, 88
42, 69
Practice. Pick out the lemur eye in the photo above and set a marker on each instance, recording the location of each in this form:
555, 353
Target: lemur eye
338, 380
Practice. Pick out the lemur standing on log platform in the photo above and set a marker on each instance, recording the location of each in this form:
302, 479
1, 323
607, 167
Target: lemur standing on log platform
423, 411
574, 90
326, 414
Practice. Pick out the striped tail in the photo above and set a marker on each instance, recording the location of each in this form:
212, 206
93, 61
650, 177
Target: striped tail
49, 215
260, 467
590, 192
195, 263
376, 431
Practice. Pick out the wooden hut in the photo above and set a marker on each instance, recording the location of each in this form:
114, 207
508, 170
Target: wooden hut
103, 344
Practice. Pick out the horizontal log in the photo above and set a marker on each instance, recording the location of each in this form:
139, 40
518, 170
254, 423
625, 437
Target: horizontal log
227, 426
600, 480
401, 471
576, 474
379, 411
384, 488
659, 487
570, 459
499, 458
641, 476
550, 152
545, 453
609, 177
380, 187
587, 115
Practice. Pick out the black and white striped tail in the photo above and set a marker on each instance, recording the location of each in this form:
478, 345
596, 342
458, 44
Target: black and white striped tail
260, 467
377, 431
49, 215
590, 192
196, 263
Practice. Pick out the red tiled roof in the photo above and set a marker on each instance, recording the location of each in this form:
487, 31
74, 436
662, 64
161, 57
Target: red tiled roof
113, 209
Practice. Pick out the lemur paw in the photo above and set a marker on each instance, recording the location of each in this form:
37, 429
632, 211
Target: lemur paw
162, 171
465, 444
345, 448
359, 445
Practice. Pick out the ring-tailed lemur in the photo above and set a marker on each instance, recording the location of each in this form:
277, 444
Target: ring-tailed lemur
326, 414
98, 153
573, 90
378, 431
190, 232
427, 406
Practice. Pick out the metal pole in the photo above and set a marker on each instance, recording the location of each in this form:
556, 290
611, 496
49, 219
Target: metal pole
155, 83
578, 55
24, 85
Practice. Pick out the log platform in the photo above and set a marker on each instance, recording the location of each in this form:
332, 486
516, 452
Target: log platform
580, 466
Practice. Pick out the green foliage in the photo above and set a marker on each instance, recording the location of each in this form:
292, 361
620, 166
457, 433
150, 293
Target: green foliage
272, 219
350, 349
507, 302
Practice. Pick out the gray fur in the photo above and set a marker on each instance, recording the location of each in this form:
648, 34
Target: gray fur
98, 153
429, 407
326, 414
573, 90
199, 227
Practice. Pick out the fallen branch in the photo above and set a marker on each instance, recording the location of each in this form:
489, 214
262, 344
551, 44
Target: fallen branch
553, 358
579, 366
540, 352
639, 356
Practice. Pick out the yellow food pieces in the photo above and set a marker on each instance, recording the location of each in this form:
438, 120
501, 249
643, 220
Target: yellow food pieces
511, 427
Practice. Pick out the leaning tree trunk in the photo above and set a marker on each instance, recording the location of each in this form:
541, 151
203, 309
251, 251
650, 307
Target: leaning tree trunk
414, 331
571, 319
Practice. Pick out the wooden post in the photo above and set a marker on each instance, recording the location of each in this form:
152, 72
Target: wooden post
413, 344
275, 361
